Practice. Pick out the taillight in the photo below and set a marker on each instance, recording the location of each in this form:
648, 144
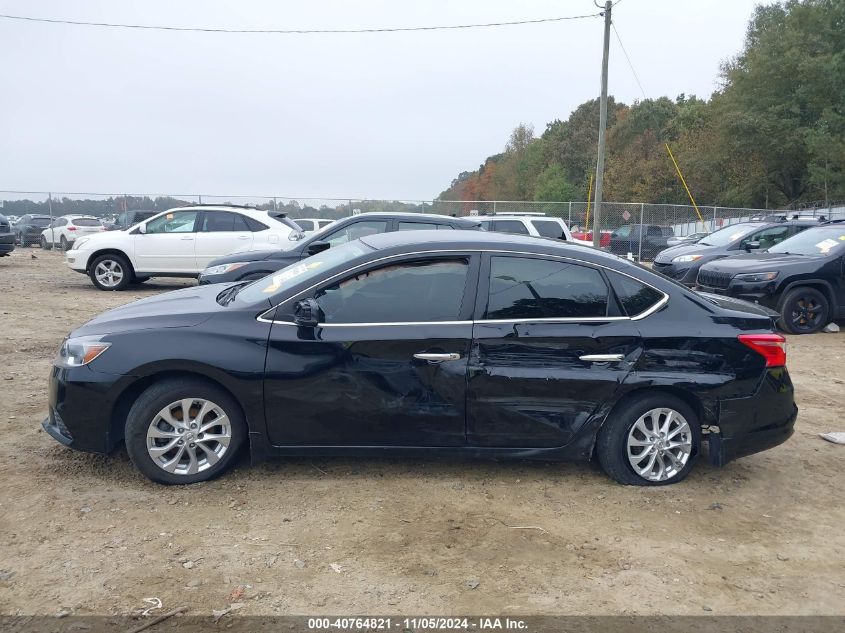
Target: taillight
772, 347
71, 228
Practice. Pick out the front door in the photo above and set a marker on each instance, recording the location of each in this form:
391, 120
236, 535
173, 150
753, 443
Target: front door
168, 244
221, 233
550, 348
386, 366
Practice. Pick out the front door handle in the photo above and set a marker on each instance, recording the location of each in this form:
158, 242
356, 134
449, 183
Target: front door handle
243, 237
602, 358
187, 238
437, 358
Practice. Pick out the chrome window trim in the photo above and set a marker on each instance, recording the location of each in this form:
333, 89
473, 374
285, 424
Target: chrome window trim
642, 315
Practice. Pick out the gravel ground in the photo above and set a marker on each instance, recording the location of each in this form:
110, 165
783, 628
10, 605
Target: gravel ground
85, 534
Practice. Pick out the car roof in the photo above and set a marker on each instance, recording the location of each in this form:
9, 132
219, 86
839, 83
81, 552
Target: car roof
415, 216
483, 240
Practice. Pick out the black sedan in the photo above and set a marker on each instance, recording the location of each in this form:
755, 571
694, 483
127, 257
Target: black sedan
449, 342
250, 265
682, 262
803, 278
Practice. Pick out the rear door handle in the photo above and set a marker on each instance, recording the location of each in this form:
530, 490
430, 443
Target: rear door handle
187, 238
438, 358
243, 237
602, 358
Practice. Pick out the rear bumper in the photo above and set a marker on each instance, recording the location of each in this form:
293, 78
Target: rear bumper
759, 422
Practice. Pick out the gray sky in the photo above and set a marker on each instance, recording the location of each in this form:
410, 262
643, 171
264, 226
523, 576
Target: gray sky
393, 115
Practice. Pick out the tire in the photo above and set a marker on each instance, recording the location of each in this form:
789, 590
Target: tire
121, 272
152, 442
45, 245
63, 243
803, 310
641, 411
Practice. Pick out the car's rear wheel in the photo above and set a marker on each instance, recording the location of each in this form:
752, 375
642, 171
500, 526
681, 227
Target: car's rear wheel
183, 431
111, 272
804, 310
651, 439
63, 243
45, 245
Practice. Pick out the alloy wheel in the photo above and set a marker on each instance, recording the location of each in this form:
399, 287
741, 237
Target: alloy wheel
805, 314
189, 436
109, 273
659, 444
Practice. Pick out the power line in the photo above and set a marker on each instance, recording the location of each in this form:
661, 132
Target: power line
152, 27
630, 65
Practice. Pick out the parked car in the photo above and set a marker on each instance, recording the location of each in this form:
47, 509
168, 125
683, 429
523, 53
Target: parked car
643, 241
176, 243
461, 343
692, 238
28, 229
587, 236
128, 219
683, 262
7, 237
64, 230
535, 224
802, 278
312, 225
256, 264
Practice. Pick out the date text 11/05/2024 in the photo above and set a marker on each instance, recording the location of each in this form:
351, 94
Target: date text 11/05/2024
417, 624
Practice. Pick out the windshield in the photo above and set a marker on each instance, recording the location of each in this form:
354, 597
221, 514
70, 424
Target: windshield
729, 234
302, 271
817, 241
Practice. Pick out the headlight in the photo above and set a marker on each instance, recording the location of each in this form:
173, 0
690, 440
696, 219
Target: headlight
78, 243
81, 350
756, 276
223, 268
686, 258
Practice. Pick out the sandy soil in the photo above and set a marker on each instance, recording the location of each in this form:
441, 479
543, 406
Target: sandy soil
87, 535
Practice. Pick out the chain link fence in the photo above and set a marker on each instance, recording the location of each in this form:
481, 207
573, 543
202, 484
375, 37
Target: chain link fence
626, 227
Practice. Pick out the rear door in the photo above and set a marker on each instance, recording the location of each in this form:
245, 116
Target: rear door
551, 345
221, 233
168, 244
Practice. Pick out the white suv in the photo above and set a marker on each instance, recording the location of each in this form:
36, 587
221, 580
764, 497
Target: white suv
65, 230
534, 224
177, 243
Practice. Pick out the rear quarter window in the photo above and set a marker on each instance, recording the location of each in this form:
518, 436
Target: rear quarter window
635, 296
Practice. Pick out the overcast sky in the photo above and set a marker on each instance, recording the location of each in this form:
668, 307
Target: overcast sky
394, 115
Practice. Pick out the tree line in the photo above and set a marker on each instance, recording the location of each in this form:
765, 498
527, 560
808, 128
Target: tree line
772, 136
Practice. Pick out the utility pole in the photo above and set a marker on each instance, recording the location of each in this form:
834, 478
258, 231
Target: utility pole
602, 127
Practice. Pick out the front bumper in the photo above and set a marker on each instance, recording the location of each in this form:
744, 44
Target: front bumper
684, 273
81, 401
756, 423
77, 261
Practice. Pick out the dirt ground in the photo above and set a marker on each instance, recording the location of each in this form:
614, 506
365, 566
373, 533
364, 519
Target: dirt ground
86, 534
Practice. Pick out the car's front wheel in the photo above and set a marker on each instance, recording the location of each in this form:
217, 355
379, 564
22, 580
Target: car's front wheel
111, 272
804, 310
652, 440
182, 431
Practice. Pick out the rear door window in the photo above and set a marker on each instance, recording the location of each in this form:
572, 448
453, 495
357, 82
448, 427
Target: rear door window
530, 288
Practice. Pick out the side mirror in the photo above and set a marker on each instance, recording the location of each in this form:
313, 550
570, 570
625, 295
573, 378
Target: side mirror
318, 247
750, 246
306, 313
142, 229
295, 236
